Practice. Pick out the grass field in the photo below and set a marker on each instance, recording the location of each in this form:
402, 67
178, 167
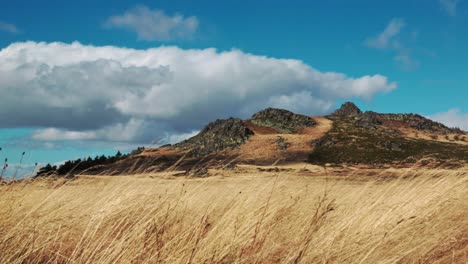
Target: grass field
398, 216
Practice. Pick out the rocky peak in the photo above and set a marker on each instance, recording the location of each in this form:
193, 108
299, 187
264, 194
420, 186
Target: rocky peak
347, 109
218, 135
281, 120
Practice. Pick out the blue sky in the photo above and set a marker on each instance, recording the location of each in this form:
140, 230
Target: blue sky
138, 58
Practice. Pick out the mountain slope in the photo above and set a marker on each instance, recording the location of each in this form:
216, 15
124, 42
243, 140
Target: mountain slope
277, 136
371, 138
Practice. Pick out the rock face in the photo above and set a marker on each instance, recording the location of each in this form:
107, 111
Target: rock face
281, 120
347, 109
371, 120
420, 123
370, 138
217, 136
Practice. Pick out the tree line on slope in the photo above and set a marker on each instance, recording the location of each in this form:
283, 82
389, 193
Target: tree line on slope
75, 166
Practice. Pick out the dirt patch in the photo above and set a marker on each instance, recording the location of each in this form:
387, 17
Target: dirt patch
260, 130
263, 148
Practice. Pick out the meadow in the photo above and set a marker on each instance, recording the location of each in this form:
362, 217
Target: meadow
394, 216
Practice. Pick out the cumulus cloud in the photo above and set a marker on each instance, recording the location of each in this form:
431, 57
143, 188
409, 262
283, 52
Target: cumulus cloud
154, 24
449, 6
79, 92
7, 27
452, 118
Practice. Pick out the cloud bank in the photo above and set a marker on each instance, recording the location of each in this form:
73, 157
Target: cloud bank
79, 92
154, 24
452, 118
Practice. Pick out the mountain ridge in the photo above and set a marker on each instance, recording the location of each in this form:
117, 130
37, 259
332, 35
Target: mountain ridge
278, 136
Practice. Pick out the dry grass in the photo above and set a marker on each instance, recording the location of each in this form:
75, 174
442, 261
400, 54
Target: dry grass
414, 217
263, 147
461, 139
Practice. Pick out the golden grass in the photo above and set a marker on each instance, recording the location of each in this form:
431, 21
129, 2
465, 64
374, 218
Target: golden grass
263, 146
413, 217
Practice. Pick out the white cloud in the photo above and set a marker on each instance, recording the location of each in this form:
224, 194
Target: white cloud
155, 24
116, 133
406, 61
53, 134
449, 6
10, 28
389, 39
452, 118
175, 138
386, 39
78, 92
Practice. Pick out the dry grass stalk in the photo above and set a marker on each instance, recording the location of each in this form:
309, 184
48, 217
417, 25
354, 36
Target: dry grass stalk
418, 216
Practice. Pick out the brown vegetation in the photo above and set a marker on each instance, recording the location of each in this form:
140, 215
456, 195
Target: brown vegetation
396, 216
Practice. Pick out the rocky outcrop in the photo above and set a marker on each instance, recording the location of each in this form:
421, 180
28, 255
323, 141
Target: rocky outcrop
368, 120
281, 120
420, 123
371, 120
347, 109
354, 137
217, 136
281, 144
368, 138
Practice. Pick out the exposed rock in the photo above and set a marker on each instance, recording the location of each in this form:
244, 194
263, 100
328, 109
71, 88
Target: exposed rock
420, 123
281, 120
217, 136
368, 120
392, 146
371, 120
281, 144
355, 137
347, 109
369, 138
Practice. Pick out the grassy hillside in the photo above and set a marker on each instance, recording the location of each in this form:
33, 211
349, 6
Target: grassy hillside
403, 216
353, 140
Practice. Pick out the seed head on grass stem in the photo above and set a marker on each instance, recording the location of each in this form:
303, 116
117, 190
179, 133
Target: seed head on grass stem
19, 166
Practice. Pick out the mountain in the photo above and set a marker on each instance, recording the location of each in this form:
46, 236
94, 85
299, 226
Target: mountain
277, 136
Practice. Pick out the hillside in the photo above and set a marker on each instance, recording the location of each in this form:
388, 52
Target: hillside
371, 138
277, 136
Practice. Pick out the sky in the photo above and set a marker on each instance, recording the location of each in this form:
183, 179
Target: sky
87, 78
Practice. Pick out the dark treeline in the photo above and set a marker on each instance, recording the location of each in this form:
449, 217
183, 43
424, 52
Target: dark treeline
79, 165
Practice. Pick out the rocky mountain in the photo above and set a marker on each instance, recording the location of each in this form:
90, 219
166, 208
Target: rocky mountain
281, 120
372, 138
346, 110
275, 136
217, 136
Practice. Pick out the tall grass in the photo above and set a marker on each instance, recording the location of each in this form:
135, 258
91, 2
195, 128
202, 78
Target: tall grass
411, 217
